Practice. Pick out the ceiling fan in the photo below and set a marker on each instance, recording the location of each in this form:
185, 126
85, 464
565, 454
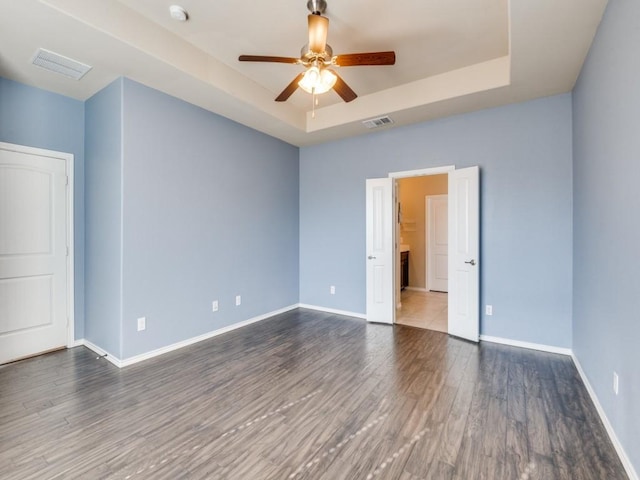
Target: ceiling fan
317, 56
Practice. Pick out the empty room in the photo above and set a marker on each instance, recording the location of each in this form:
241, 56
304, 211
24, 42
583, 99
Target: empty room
319, 240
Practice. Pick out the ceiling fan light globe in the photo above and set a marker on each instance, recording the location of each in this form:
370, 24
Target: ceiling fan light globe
327, 79
310, 80
316, 81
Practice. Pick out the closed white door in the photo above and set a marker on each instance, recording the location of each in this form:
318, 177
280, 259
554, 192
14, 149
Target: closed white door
464, 320
437, 243
33, 252
380, 250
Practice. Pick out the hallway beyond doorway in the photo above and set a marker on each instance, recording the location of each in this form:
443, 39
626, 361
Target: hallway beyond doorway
421, 309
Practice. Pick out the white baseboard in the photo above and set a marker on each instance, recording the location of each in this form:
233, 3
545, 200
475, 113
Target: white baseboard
100, 352
184, 343
626, 463
530, 346
332, 310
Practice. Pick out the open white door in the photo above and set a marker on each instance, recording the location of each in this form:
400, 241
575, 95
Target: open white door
463, 254
380, 249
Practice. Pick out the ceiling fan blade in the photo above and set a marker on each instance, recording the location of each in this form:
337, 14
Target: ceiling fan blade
343, 89
371, 58
262, 58
318, 29
287, 92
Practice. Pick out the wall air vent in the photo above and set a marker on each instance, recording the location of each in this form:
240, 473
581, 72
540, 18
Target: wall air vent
57, 63
377, 122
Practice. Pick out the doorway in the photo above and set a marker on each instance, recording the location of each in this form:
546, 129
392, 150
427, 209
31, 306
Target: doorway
422, 301
383, 249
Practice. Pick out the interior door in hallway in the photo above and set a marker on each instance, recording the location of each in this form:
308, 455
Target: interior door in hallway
33, 252
437, 243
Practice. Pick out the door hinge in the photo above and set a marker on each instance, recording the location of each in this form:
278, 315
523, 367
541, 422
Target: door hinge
66, 179
67, 250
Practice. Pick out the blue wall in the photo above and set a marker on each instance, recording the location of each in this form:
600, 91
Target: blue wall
606, 299
524, 152
36, 118
209, 210
103, 177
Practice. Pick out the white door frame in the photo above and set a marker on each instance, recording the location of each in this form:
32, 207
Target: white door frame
69, 164
416, 173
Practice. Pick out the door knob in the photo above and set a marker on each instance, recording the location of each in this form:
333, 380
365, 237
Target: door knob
371, 257
471, 262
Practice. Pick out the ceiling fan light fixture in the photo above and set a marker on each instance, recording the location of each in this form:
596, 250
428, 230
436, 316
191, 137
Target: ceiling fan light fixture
317, 55
316, 81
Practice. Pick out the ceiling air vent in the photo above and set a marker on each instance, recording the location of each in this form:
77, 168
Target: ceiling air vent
59, 64
377, 122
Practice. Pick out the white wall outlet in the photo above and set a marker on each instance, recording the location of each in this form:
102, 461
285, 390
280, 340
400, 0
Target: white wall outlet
616, 383
238, 300
214, 306
332, 289
488, 310
142, 323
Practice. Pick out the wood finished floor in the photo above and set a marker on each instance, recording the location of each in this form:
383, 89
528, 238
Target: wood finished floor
305, 395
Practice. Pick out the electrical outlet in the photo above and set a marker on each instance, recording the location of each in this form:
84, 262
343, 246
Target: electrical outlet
332, 289
238, 300
142, 323
214, 306
488, 310
616, 383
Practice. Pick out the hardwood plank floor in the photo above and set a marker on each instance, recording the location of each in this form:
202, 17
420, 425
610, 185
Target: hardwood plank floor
305, 395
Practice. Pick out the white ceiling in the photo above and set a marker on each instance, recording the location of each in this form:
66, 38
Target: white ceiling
453, 56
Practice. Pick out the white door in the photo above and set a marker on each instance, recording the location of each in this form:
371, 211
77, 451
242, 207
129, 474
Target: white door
33, 252
437, 243
380, 249
463, 254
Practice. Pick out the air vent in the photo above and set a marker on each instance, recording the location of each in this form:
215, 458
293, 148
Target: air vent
59, 64
377, 122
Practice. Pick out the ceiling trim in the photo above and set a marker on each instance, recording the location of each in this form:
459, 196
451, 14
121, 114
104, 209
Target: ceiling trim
548, 42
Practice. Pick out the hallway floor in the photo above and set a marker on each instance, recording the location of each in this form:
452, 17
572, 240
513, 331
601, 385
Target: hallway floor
423, 310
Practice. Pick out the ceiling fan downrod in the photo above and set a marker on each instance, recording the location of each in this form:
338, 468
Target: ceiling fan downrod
317, 7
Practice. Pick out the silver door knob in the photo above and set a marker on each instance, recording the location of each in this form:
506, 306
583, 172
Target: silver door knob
471, 262
371, 257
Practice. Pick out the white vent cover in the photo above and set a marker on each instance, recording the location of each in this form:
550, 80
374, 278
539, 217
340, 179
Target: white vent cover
59, 64
377, 122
